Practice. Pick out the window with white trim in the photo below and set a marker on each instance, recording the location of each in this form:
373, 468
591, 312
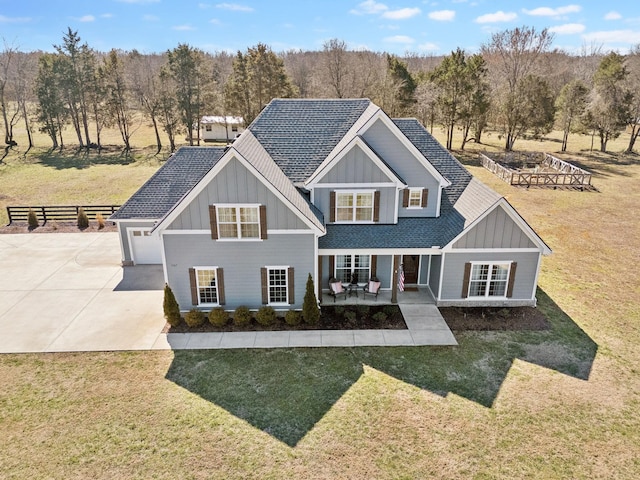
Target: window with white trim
238, 221
489, 279
348, 265
415, 198
277, 285
354, 206
207, 285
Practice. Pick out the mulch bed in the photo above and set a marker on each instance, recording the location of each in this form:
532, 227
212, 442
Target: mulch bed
331, 318
494, 318
57, 227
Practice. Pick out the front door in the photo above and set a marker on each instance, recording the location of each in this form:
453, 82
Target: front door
410, 265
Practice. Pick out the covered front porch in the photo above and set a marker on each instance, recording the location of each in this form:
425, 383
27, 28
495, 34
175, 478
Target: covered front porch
411, 296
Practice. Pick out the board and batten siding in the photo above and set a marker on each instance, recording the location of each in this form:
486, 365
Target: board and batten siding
123, 226
496, 230
234, 184
322, 200
241, 262
355, 167
453, 275
402, 161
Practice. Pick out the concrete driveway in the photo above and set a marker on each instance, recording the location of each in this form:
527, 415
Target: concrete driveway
63, 292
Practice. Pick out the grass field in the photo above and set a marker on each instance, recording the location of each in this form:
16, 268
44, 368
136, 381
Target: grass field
561, 403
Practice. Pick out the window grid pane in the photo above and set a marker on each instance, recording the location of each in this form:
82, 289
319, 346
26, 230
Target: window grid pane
238, 222
278, 285
415, 198
489, 280
207, 288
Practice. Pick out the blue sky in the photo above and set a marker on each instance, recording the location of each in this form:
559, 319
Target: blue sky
422, 27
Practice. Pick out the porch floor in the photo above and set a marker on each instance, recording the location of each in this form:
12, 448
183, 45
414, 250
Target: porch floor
421, 295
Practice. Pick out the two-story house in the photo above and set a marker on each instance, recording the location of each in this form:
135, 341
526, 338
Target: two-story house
328, 188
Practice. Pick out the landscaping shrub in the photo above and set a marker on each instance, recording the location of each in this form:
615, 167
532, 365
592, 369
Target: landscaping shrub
363, 310
100, 220
171, 307
32, 218
292, 317
390, 310
194, 318
242, 315
266, 316
380, 317
83, 220
218, 317
310, 310
350, 316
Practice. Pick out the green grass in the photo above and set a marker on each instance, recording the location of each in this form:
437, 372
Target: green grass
560, 403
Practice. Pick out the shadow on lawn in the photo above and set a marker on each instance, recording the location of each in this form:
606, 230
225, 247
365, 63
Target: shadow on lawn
84, 158
285, 392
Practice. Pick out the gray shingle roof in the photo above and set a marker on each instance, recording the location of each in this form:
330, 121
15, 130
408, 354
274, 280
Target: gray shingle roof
170, 183
299, 133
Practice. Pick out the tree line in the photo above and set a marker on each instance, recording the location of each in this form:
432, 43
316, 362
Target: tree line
516, 85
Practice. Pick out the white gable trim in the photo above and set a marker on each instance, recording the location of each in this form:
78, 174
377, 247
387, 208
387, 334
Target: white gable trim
333, 160
230, 154
517, 219
380, 115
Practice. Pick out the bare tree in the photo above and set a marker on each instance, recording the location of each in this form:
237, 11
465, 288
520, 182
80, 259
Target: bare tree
633, 64
8, 105
514, 55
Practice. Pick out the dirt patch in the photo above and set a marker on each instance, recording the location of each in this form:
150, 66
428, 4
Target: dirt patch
57, 227
494, 318
348, 317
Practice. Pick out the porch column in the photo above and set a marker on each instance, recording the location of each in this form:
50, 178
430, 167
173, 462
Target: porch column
394, 279
319, 279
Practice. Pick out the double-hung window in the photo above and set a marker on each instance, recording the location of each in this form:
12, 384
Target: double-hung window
354, 206
415, 198
489, 279
238, 222
277, 285
207, 285
350, 265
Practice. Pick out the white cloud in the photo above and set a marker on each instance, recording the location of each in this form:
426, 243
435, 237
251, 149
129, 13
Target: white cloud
369, 7
443, 15
428, 47
234, 7
552, 12
183, 28
4, 19
612, 16
499, 16
628, 37
86, 18
399, 39
401, 14
568, 29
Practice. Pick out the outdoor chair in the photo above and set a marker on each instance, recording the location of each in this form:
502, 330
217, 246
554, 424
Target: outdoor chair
336, 288
372, 288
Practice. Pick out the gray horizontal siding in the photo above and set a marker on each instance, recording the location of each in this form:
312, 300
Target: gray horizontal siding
496, 230
400, 159
241, 262
355, 167
434, 274
454, 272
387, 201
235, 184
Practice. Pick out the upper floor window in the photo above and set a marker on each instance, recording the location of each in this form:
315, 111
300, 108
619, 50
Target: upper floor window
354, 206
415, 198
238, 222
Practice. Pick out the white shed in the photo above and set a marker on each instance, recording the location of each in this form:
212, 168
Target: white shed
219, 128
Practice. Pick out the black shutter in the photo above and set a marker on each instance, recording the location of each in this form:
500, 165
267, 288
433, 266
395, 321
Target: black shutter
512, 278
194, 286
263, 222
291, 286
332, 206
213, 222
465, 280
265, 285
220, 285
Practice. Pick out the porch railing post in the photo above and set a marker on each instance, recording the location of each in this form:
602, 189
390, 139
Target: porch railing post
394, 280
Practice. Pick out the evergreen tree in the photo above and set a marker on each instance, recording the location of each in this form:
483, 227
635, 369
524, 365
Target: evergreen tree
570, 107
170, 307
310, 310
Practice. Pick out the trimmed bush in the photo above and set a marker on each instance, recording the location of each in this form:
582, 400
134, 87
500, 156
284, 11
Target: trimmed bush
266, 316
194, 318
32, 218
390, 310
218, 317
100, 220
350, 316
380, 317
83, 220
170, 307
292, 317
242, 315
363, 310
310, 310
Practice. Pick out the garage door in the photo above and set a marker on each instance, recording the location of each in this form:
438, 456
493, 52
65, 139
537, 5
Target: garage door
145, 248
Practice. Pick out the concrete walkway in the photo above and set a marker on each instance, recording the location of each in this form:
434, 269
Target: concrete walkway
66, 292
